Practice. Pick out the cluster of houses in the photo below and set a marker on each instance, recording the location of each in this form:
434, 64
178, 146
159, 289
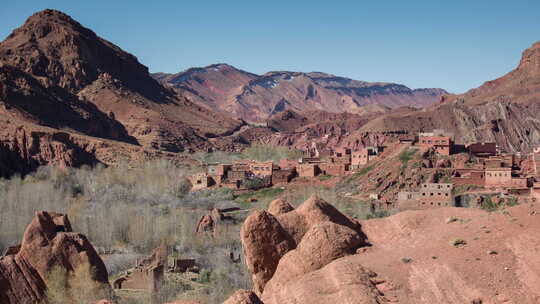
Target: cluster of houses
491, 169
240, 175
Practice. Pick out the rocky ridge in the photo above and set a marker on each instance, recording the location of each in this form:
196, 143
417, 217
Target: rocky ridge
257, 97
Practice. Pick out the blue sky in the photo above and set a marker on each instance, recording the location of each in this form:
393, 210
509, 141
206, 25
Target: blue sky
456, 45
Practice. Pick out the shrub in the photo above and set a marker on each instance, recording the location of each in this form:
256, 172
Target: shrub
457, 242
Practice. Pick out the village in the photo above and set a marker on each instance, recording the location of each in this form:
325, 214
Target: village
486, 167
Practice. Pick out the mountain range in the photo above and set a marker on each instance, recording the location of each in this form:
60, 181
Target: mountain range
256, 98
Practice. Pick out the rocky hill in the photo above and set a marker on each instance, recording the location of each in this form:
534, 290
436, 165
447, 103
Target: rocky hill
502, 110
256, 97
57, 73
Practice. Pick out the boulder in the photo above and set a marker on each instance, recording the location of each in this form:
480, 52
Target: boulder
322, 244
264, 242
312, 212
342, 281
267, 238
243, 297
209, 222
48, 242
279, 206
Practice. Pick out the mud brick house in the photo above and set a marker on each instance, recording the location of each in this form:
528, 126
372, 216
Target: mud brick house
436, 194
200, 181
147, 274
498, 176
428, 196
287, 163
341, 156
334, 169
498, 161
310, 160
438, 140
483, 149
234, 175
502, 177
283, 176
218, 169
261, 168
308, 170
363, 156
244, 166
469, 177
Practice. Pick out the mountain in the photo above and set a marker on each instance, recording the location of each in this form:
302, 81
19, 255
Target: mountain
257, 97
57, 73
503, 110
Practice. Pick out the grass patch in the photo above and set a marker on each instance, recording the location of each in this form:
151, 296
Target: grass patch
406, 156
324, 177
377, 214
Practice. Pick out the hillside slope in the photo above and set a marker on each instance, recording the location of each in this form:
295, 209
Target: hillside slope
503, 110
57, 73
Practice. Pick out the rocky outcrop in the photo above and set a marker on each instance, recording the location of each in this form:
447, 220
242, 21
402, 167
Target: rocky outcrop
279, 206
48, 242
22, 150
312, 212
282, 248
265, 242
243, 297
209, 222
322, 244
341, 281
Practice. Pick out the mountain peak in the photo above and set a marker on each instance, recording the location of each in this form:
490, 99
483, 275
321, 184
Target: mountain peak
53, 45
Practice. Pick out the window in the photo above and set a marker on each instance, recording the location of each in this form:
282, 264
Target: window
431, 194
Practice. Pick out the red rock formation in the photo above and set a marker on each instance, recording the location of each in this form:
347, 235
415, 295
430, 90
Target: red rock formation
279, 206
412, 259
265, 242
322, 244
312, 212
48, 242
269, 241
209, 222
338, 282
